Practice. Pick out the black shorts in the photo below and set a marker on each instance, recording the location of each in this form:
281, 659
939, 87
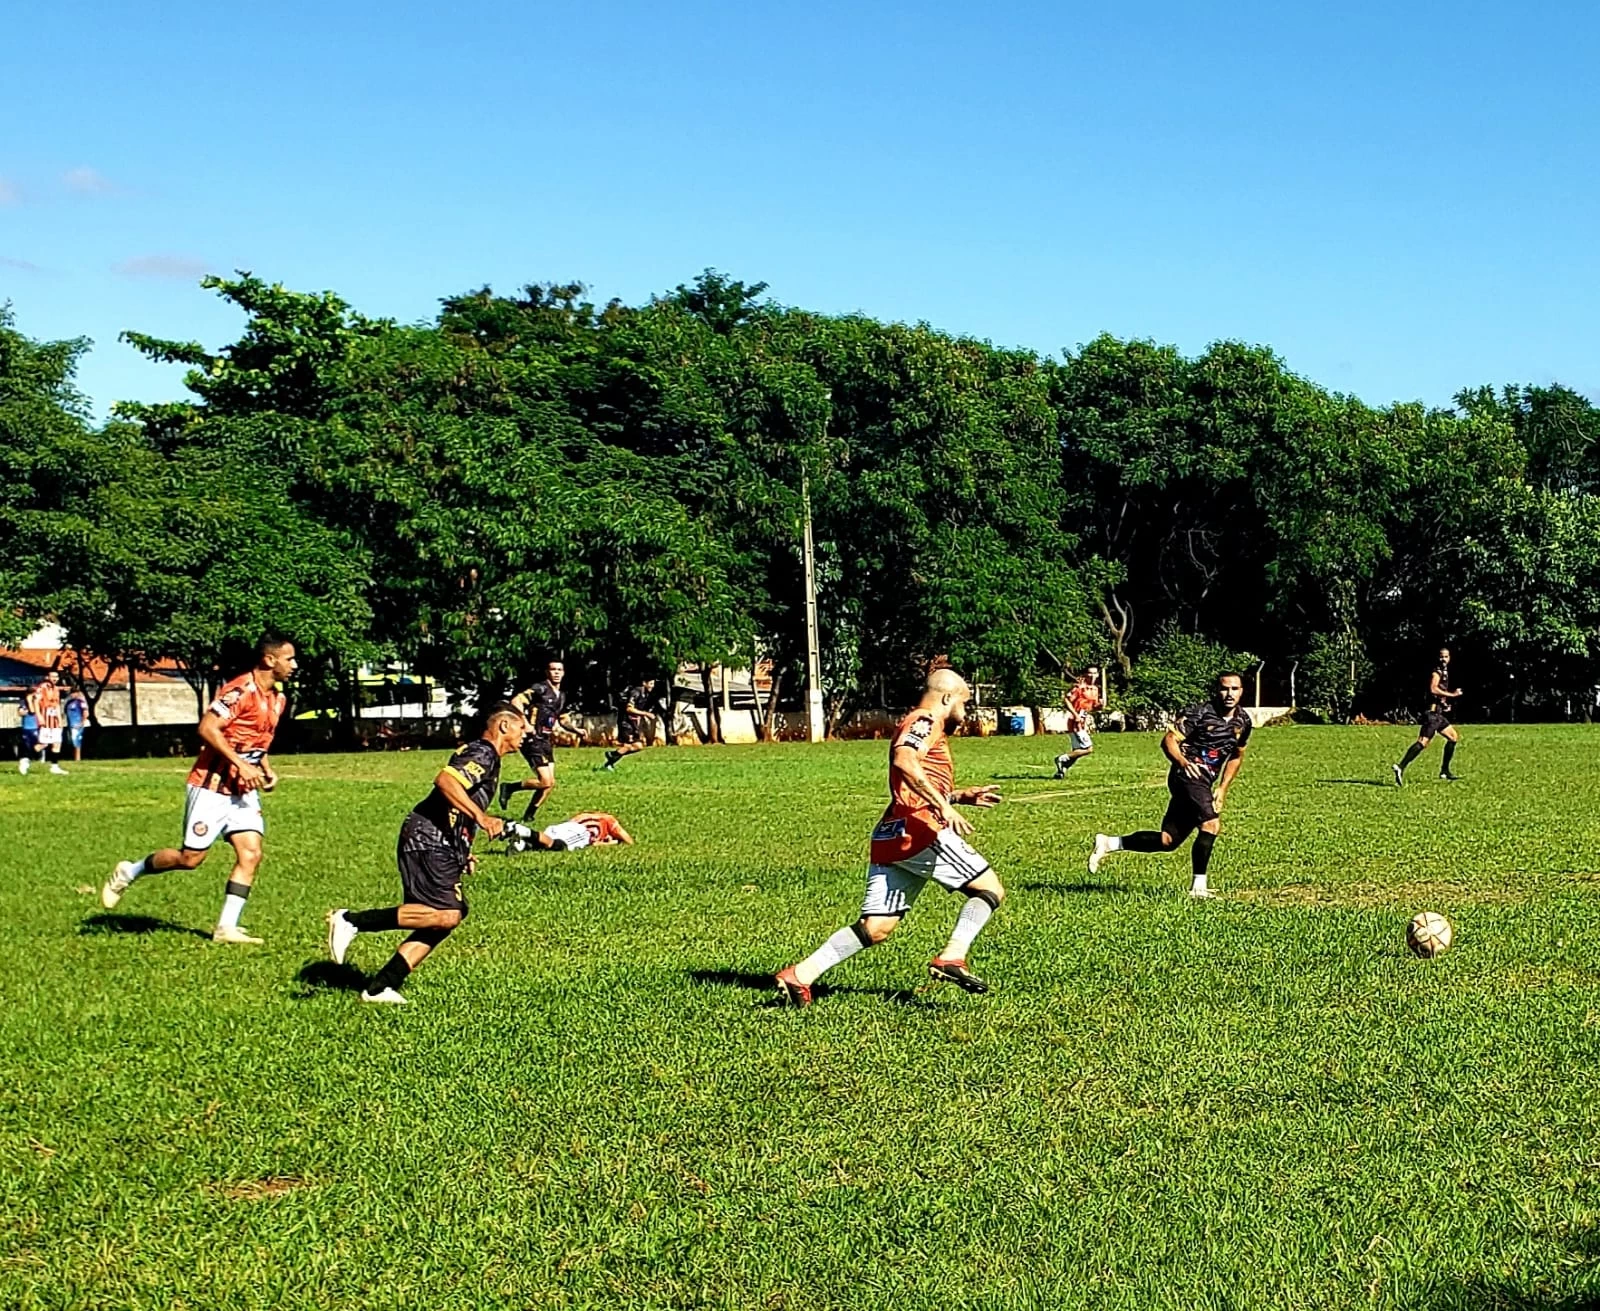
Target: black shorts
629, 730
1432, 723
1192, 805
540, 752
431, 871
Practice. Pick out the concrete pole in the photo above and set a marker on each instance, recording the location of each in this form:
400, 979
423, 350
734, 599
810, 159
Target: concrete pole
816, 726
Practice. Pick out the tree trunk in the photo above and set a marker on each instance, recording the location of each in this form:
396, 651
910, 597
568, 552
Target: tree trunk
713, 719
133, 693
1120, 626
769, 718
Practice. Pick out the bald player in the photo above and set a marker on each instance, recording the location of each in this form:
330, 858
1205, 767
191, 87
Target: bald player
921, 838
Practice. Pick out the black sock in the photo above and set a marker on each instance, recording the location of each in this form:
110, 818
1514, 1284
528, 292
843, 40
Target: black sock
1144, 840
1449, 751
391, 975
1412, 752
384, 920
1200, 853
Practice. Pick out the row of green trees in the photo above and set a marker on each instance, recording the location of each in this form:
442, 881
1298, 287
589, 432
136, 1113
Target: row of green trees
625, 485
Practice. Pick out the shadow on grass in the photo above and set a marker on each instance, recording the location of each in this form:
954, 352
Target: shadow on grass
140, 924
1356, 782
1081, 886
1037, 777
320, 976
763, 983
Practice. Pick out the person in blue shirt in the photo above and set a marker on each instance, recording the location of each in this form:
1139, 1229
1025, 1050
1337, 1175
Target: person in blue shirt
76, 708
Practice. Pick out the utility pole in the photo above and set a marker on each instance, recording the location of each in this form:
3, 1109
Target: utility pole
815, 725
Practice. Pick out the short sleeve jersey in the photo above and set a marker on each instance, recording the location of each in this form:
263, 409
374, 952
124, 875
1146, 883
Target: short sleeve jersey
635, 697
249, 720
77, 711
1438, 704
602, 828
47, 697
1210, 738
1083, 699
476, 766
542, 704
910, 824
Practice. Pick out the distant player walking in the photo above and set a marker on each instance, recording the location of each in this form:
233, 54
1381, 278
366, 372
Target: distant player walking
1082, 701
435, 856
635, 721
1435, 722
1206, 748
544, 706
225, 787
921, 838
45, 701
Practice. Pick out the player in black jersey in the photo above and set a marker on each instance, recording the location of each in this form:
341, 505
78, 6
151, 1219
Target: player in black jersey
435, 855
635, 719
1435, 722
1206, 747
544, 705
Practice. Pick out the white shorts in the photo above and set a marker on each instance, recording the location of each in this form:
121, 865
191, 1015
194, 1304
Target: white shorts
574, 835
50, 737
1081, 741
950, 861
209, 815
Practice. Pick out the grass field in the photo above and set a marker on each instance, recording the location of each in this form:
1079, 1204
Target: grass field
1260, 1101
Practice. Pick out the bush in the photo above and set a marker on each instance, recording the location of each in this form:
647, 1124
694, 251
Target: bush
1337, 669
1177, 670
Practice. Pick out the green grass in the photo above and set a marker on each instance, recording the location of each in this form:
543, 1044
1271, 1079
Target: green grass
1262, 1101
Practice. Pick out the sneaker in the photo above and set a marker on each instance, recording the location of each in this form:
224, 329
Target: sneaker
22, 764
1102, 849
611, 761
232, 933
790, 990
56, 769
956, 972
388, 997
506, 789
1399, 776
1061, 766
341, 933
1449, 778
1202, 894
120, 881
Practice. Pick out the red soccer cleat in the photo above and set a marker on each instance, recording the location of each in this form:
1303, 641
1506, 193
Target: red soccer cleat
956, 972
790, 989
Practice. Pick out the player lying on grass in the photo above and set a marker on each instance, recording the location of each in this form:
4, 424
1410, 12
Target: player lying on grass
593, 828
921, 837
434, 855
223, 797
1206, 747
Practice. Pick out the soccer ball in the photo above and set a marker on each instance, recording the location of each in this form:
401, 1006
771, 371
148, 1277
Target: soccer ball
1429, 933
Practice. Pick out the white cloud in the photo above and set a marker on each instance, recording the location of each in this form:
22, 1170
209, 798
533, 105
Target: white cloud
27, 266
185, 267
89, 182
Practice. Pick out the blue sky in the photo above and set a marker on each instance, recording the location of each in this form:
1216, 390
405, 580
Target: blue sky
1400, 198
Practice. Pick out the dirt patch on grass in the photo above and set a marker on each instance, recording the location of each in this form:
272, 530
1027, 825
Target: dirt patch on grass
258, 1190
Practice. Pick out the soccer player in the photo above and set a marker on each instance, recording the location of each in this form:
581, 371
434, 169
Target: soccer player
76, 709
634, 719
593, 828
544, 706
434, 855
1435, 722
1206, 748
921, 837
1082, 701
225, 787
45, 702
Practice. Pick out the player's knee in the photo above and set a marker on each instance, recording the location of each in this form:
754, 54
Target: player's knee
1211, 828
1168, 842
874, 929
991, 892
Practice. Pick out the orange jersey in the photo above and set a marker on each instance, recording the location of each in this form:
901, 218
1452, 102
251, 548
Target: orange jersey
47, 704
911, 823
602, 827
1083, 699
249, 719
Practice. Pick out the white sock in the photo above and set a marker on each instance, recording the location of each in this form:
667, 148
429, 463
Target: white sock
1111, 843
974, 915
139, 867
1198, 884
841, 946
231, 907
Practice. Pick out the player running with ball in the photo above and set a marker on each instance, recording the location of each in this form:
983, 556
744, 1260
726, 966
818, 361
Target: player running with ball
921, 837
1206, 747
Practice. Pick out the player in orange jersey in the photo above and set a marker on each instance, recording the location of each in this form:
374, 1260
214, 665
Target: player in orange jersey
1082, 701
593, 828
921, 837
225, 787
45, 702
